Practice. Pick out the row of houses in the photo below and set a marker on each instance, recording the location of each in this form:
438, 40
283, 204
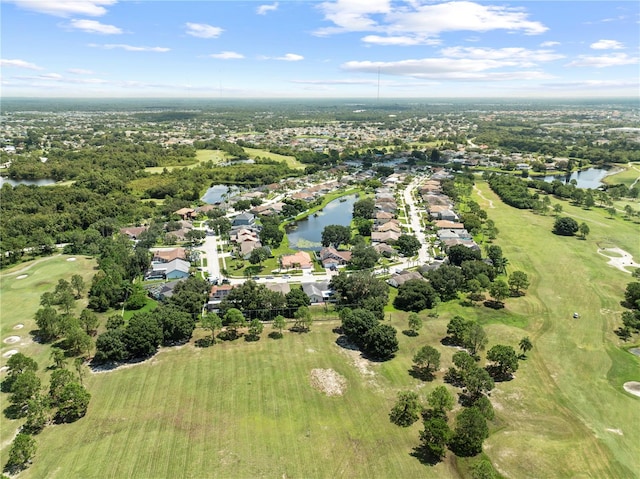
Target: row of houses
318, 292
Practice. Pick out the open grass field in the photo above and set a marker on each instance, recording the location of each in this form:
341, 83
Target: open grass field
202, 156
629, 176
289, 160
248, 409
568, 415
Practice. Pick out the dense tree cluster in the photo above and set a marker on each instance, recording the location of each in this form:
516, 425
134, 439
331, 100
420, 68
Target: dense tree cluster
630, 318
375, 339
360, 290
65, 401
512, 190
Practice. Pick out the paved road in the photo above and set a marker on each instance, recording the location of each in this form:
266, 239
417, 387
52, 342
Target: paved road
415, 221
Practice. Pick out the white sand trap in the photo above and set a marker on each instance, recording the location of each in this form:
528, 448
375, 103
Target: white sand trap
632, 387
71, 259
635, 351
328, 382
18, 326
22, 276
11, 340
4, 369
625, 260
10, 353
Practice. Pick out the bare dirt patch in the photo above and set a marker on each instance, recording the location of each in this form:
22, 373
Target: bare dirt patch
622, 260
328, 381
11, 339
632, 387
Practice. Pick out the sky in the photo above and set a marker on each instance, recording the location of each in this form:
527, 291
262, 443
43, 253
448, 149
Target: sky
319, 49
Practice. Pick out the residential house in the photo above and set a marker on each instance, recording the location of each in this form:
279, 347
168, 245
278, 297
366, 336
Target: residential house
166, 255
174, 269
217, 294
446, 224
332, 258
318, 292
385, 250
392, 225
133, 232
381, 217
282, 288
244, 219
299, 260
399, 279
162, 291
384, 237
186, 213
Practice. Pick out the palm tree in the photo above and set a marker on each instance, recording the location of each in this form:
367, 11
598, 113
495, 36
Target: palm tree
525, 345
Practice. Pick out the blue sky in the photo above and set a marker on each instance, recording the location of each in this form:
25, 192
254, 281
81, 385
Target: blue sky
315, 49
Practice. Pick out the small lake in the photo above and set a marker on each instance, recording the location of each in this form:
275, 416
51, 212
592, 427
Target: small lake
590, 178
41, 182
216, 194
307, 234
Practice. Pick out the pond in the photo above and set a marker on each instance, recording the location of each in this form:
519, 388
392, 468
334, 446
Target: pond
307, 234
590, 178
41, 182
218, 193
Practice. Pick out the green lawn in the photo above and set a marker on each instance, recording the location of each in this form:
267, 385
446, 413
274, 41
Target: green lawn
567, 404
289, 160
202, 156
628, 176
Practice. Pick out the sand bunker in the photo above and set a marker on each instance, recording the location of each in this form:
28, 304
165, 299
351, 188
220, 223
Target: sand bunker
4, 369
625, 260
22, 276
635, 351
71, 259
632, 387
18, 326
11, 340
328, 382
10, 353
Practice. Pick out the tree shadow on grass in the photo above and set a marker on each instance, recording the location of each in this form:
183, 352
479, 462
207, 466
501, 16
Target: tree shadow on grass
276, 335
13, 411
421, 374
494, 304
425, 456
410, 332
205, 342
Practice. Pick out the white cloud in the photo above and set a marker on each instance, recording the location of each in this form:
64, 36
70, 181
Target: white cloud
549, 44
352, 15
80, 71
227, 56
570, 85
611, 60
400, 40
65, 8
129, 48
523, 56
92, 26
290, 57
336, 82
420, 22
607, 45
16, 63
202, 30
447, 69
264, 9
50, 76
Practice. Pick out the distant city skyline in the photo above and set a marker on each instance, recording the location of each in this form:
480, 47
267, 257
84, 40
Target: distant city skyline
320, 49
